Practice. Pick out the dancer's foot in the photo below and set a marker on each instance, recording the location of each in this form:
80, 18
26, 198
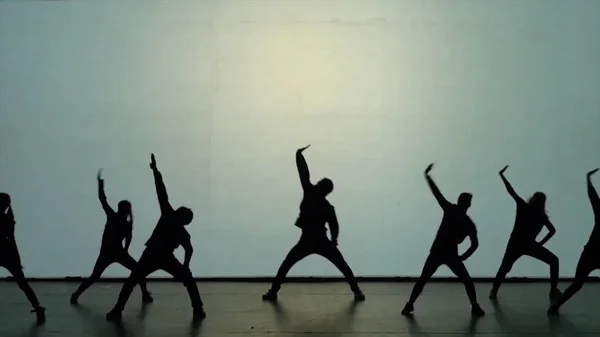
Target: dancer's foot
114, 315
553, 310
359, 296
477, 311
270, 296
147, 298
40, 312
74, 298
199, 314
408, 309
555, 294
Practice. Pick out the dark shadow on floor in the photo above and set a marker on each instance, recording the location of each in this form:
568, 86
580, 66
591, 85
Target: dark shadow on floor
557, 325
144, 311
414, 329
340, 324
281, 316
98, 324
35, 330
195, 329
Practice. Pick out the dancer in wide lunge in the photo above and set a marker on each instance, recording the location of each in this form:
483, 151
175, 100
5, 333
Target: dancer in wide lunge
315, 212
530, 219
118, 228
168, 234
10, 258
456, 226
590, 257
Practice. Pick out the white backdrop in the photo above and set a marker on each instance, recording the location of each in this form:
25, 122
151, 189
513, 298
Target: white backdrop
225, 91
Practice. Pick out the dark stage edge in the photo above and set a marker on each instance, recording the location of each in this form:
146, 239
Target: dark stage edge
318, 309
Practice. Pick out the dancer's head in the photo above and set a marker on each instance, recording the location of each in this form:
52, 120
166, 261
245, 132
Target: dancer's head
325, 186
4, 201
464, 200
538, 201
184, 216
124, 209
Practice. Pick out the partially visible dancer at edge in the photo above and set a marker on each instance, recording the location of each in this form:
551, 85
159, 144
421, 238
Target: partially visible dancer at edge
590, 257
10, 258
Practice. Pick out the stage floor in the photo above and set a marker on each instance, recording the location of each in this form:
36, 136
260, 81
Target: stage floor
304, 309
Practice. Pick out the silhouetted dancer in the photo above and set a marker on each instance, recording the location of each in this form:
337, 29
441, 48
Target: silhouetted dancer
118, 228
456, 226
315, 212
168, 234
590, 257
530, 219
10, 258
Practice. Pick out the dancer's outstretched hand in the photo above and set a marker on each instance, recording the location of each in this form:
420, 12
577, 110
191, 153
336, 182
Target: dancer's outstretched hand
429, 168
152, 162
589, 174
304, 148
100, 174
503, 169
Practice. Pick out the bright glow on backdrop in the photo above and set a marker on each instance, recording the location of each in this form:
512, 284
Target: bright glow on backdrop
225, 91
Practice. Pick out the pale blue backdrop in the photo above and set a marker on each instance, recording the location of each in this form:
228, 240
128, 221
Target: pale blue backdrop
225, 91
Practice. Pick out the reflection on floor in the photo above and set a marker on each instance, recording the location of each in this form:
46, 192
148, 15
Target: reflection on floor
322, 309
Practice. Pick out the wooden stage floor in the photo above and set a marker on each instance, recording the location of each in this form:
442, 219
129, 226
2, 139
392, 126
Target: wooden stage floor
304, 309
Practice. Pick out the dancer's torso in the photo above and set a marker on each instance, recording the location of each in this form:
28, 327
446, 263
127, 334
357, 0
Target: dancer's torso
116, 230
315, 212
528, 223
7, 229
455, 227
167, 236
9, 253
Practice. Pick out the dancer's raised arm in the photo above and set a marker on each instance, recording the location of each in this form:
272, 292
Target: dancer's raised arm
161, 190
435, 190
302, 166
102, 195
509, 187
